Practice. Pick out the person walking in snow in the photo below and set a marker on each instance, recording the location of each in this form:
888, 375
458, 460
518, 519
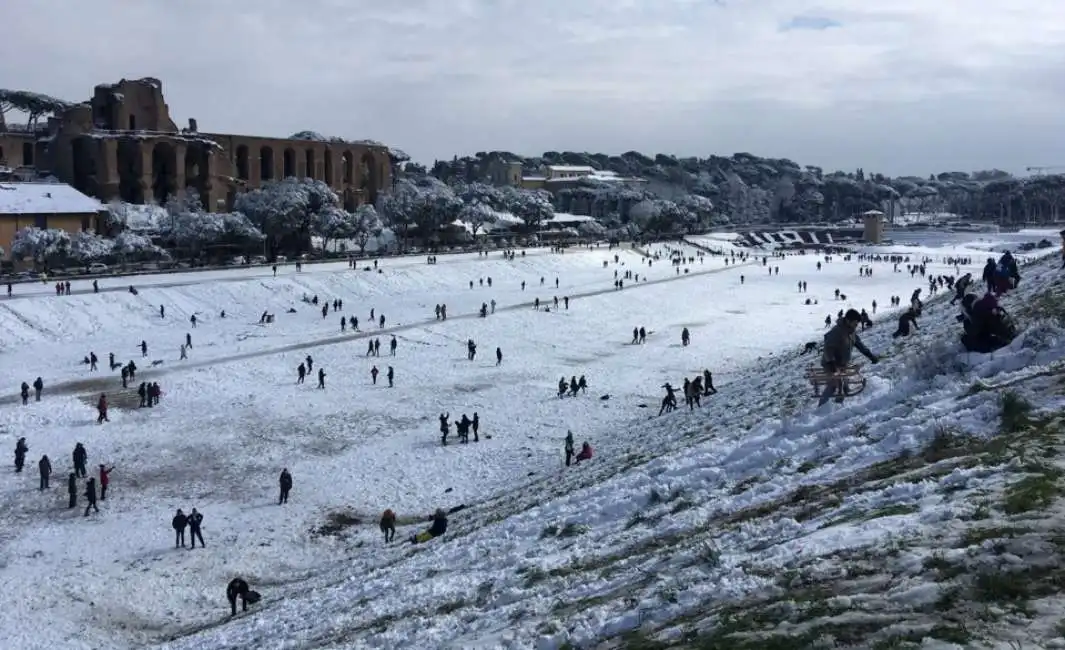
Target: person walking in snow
310, 363
377, 347
24, 392
92, 361
101, 409
142, 392
162, 311
285, 482
90, 496
178, 523
373, 375
192, 320
499, 356
301, 373
343, 324
321, 378
392, 346
144, 348
475, 424
38, 386
381, 321
125, 377
72, 491
391, 375
183, 354
44, 466
20, 454
188, 339
569, 448
195, 520
80, 457
105, 480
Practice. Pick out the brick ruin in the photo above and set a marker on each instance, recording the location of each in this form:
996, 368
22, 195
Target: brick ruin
123, 145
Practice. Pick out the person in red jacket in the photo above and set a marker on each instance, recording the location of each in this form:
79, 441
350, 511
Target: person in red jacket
105, 478
101, 409
586, 453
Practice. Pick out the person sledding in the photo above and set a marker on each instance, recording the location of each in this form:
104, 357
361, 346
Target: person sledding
585, 454
437, 529
840, 343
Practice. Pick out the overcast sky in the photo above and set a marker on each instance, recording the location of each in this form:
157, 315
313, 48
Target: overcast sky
906, 86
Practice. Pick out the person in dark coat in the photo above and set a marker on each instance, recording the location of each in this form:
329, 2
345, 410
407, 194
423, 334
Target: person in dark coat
45, 467
238, 588
80, 457
72, 490
20, 454
286, 484
142, 392
195, 521
906, 321
840, 343
38, 386
90, 494
321, 378
25, 393
179, 522
569, 448
438, 528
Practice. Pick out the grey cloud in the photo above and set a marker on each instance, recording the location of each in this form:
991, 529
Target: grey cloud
897, 90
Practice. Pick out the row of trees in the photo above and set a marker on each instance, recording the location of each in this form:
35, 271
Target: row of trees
53, 247
745, 188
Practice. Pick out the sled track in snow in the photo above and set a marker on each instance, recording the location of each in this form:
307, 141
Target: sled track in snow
109, 383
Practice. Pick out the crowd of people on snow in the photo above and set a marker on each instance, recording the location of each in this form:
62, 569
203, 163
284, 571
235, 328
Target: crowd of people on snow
986, 326
80, 460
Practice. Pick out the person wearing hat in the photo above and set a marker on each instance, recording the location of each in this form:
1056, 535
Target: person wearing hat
840, 342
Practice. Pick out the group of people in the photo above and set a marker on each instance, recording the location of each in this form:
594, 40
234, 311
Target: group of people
80, 457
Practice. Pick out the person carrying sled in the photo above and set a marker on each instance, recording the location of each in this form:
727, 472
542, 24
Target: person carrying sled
839, 345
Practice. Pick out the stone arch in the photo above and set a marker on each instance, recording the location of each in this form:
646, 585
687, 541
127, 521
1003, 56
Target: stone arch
83, 155
266, 163
164, 172
242, 162
368, 176
328, 163
288, 163
197, 171
130, 170
308, 158
348, 163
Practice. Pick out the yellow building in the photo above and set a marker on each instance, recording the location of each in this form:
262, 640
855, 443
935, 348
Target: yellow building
45, 205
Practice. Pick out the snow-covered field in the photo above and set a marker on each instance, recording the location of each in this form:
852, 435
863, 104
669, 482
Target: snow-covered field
543, 555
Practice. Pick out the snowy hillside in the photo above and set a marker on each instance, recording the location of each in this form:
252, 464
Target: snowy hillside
685, 526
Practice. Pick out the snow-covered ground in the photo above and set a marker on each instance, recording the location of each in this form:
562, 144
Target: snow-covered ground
543, 554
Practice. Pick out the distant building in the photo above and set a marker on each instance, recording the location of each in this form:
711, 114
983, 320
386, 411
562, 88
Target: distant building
554, 177
45, 205
122, 144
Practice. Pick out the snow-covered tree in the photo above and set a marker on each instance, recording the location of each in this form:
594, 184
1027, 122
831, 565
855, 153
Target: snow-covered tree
591, 229
239, 229
131, 246
531, 206
87, 247
333, 223
138, 218
367, 225
285, 210
477, 214
42, 245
